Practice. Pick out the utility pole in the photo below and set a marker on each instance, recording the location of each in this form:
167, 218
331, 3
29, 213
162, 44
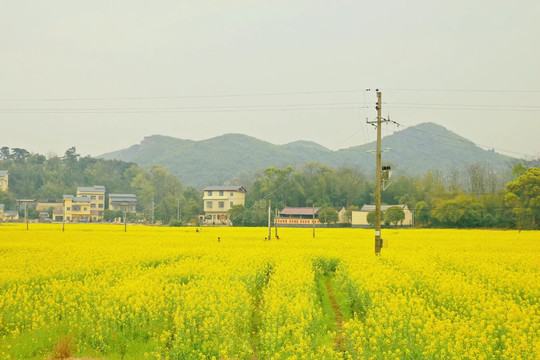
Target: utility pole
378, 176
313, 220
26, 214
63, 213
269, 219
378, 242
275, 222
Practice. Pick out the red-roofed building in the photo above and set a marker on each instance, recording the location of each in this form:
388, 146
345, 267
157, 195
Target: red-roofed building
298, 216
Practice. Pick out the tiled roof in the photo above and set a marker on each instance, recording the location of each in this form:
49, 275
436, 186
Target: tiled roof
95, 188
299, 211
225, 188
122, 196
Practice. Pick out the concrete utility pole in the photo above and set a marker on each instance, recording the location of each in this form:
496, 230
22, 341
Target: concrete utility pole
26, 214
378, 241
269, 219
275, 223
313, 220
378, 175
63, 214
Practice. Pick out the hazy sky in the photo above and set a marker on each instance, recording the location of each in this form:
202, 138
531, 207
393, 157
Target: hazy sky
102, 75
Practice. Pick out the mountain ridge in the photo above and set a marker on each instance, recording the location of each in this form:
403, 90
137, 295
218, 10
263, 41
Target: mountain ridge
414, 150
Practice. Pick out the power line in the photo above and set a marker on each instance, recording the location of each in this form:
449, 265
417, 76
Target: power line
201, 109
255, 94
462, 108
186, 96
464, 90
463, 105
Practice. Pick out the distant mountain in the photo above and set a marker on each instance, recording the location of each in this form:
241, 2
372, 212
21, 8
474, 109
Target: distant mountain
414, 150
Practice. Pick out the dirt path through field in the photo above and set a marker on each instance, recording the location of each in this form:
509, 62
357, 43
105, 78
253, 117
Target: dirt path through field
338, 316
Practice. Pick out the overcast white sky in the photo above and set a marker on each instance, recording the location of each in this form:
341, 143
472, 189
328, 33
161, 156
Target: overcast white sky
100, 75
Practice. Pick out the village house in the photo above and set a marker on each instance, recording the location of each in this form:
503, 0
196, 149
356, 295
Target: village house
87, 205
123, 201
359, 218
8, 215
4, 180
46, 204
218, 200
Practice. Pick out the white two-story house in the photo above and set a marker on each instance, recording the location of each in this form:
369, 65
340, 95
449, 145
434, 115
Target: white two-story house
218, 200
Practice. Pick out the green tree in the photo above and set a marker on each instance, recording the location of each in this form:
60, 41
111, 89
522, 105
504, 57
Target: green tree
523, 195
236, 214
371, 217
518, 170
5, 153
8, 199
421, 213
463, 211
19, 155
394, 214
328, 215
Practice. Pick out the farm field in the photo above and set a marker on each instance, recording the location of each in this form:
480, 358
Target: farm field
172, 293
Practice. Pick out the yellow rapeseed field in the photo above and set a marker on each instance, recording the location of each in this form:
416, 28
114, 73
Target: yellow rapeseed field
174, 293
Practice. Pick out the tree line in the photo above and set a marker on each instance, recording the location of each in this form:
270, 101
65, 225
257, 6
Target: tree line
160, 195
474, 197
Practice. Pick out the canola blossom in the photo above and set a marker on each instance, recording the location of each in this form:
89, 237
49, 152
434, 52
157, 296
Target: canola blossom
173, 293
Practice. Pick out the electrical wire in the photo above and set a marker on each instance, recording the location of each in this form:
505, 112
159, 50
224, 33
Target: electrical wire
186, 96
463, 90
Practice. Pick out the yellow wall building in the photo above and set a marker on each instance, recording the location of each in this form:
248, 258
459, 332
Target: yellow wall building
218, 200
87, 205
4, 180
77, 209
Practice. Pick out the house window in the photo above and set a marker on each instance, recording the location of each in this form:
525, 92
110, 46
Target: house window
209, 193
68, 208
101, 206
208, 204
101, 197
93, 197
231, 204
232, 194
93, 206
221, 204
76, 208
85, 209
221, 193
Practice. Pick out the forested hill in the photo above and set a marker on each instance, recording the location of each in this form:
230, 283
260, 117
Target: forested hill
414, 150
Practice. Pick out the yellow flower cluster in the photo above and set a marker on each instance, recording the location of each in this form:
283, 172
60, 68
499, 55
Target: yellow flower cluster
173, 293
